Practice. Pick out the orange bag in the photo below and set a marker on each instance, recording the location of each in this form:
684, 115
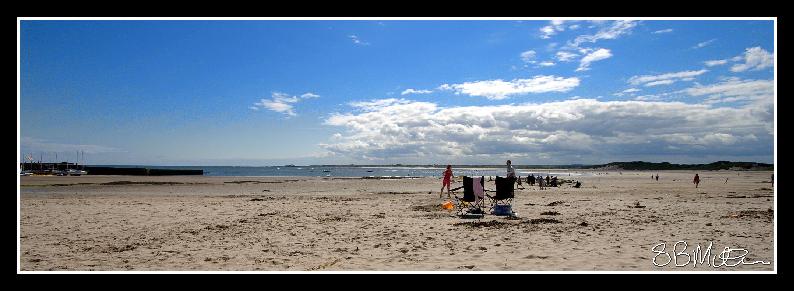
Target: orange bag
447, 205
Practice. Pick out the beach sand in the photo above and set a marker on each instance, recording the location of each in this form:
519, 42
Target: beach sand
196, 223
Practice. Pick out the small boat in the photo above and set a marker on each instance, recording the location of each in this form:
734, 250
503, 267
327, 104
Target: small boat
326, 171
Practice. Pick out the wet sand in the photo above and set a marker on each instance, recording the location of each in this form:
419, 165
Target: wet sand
192, 223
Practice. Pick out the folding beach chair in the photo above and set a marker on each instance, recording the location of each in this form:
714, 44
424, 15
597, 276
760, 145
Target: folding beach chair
473, 197
504, 192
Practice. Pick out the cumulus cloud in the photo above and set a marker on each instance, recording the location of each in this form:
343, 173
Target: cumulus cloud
400, 130
414, 91
755, 59
499, 89
597, 55
664, 79
281, 102
663, 31
546, 64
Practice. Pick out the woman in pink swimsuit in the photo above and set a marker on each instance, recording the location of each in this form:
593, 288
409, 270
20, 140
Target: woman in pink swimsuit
446, 182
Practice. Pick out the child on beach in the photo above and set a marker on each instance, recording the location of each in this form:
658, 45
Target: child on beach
446, 182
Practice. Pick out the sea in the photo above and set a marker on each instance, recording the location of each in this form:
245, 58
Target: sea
360, 171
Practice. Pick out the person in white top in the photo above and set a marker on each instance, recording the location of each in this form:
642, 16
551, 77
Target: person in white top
511, 173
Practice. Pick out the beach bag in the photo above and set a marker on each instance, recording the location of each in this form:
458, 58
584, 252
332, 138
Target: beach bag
502, 210
447, 205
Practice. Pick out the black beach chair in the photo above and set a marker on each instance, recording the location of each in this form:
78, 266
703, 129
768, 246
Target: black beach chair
504, 192
470, 204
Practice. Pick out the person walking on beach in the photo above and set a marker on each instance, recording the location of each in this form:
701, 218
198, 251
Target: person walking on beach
657, 177
446, 182
696, 180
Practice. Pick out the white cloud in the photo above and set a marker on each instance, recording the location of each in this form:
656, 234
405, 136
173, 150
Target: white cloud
650, 97
403, 129
282, 103
597, 55
660, 82
546, 64
498, 89
552, 29
356, 40
414, 91
668, 78
618, 28
563, 56
528, 56
734, 89
755, 59
277, 106
572, 27
547, 32
715, 62
704, 44
663, 31
629, 91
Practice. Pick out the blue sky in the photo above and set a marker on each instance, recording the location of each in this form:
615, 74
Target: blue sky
383, 91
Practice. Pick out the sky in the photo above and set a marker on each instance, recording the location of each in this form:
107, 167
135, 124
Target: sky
274, 92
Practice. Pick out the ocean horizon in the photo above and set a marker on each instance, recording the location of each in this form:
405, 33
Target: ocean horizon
361, 171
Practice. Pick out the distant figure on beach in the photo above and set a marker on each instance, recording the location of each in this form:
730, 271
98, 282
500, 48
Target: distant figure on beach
511, 172
696, 180
578, 184
531, 180
447, 181
726, 181
772, 178
548, 180
541, 183
554, 181
657, 177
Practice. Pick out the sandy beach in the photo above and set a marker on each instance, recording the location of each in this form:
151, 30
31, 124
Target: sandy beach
200, 223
